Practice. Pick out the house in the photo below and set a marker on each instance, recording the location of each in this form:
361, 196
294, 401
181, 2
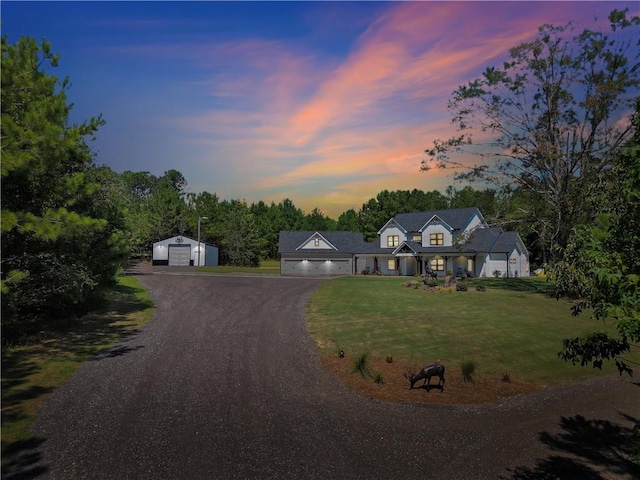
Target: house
184, 251
456, 240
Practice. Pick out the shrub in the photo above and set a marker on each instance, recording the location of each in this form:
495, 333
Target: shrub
481, 288
446, 289
378, 378
468, 368
361, 365
497, 273
461, 287
365, 271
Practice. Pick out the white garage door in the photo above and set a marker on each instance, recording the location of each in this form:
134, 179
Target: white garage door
179, 255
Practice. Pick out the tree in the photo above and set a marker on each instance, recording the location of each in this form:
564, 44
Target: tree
156, 208
61, 245
601, 266
240, 243
318, 221
553, 118
349, 221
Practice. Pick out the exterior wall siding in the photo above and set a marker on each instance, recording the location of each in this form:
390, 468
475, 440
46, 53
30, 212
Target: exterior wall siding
436, 227
473, 224
390, 232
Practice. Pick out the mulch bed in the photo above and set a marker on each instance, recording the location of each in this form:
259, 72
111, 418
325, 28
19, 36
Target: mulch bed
395, 387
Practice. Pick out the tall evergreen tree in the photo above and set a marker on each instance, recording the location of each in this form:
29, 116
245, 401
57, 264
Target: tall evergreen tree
60, 245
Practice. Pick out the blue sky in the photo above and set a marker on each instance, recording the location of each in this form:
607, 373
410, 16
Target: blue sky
324, 103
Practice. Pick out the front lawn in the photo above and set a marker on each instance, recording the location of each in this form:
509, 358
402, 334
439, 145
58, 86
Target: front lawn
514, 326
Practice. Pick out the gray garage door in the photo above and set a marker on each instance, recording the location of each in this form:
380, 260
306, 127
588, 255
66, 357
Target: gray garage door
179, 255
316, 267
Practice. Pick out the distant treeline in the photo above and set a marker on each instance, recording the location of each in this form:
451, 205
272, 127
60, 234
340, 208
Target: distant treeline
159, 207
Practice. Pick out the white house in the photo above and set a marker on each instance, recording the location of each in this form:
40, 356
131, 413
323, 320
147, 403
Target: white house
184, 251
456, 240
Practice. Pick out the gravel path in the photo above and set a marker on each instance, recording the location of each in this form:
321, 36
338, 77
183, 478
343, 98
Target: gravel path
224, 384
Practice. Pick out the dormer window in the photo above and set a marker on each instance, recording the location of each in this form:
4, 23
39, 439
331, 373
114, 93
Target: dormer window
416, 237
393, 240
436, 239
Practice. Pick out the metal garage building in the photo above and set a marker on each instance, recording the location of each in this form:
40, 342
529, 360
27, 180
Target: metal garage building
182, 251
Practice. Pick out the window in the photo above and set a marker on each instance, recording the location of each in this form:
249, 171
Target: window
417, 237
391, 264
393, 241
316, 242
437, 264
436, 239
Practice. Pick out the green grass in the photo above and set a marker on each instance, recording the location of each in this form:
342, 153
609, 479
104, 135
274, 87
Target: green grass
31, 371
266, 267
514, 326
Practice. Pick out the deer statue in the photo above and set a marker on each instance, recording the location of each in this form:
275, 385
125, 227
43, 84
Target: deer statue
433, 370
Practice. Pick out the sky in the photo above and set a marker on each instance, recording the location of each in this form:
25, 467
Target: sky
323, 103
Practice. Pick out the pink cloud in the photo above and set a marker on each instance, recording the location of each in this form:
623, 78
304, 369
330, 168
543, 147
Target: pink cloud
366, 120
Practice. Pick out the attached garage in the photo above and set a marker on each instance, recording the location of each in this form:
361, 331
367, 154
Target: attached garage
316, 266
180, 251
318, 253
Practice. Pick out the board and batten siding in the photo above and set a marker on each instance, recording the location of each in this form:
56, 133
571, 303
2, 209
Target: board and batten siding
390, 232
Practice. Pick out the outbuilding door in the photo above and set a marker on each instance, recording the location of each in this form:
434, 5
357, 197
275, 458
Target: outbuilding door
179, 255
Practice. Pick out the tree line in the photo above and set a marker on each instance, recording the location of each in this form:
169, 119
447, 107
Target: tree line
561, 168
160, 207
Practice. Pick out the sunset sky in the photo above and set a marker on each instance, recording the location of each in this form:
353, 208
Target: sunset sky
324, 103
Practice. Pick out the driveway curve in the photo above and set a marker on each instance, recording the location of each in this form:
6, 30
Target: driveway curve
224, 383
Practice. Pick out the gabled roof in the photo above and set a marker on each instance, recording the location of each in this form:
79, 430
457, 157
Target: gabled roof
393, 223
409, 245
507, 242
482, 239
343, 242
178, 239
317, 236
456, 218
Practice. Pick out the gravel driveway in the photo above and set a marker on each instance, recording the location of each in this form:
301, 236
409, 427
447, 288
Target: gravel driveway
224, 384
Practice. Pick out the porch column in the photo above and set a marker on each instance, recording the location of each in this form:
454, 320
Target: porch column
355, 266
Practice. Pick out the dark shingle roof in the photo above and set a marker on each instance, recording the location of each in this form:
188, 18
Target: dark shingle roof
505, 242
482, 239
457, 218
491, 239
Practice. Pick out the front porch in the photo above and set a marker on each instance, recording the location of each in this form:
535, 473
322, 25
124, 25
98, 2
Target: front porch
411, 264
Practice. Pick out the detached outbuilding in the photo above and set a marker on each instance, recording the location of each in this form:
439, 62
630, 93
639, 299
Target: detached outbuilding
183, 251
